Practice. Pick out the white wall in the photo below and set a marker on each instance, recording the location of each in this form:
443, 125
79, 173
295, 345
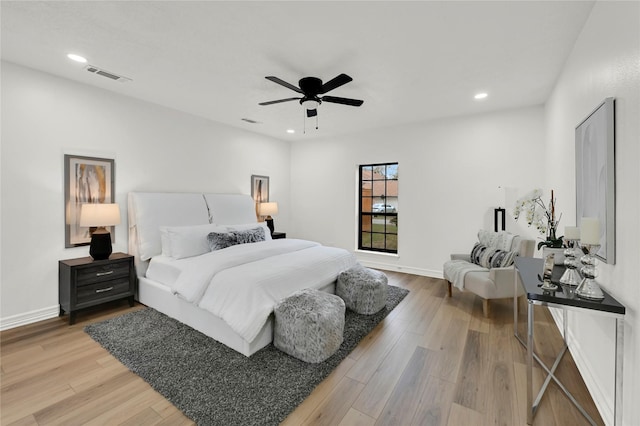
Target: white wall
450, 172
155, 149
605, 62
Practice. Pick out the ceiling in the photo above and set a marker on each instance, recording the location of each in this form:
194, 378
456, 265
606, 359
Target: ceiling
410, 61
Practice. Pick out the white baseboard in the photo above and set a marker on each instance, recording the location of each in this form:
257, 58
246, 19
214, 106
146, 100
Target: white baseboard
400, 268
29, 317
603, 402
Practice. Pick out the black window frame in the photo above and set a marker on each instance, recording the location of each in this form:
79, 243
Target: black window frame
367, 216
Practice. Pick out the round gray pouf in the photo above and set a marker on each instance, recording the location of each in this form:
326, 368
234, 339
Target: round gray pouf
363, 290
309, 325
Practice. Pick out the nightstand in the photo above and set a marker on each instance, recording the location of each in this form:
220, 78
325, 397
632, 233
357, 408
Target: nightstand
278, 235
84, 282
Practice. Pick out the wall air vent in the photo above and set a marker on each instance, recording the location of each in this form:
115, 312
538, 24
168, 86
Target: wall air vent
107, 74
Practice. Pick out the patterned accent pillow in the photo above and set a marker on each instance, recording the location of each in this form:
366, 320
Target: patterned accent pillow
509, 258
476, 253
489, 257
221, 240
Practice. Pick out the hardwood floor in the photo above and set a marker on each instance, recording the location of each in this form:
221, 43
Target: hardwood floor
433, 361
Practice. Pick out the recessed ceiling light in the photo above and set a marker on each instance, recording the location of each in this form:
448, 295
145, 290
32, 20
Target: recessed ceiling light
77, 58
480, 95
290, 131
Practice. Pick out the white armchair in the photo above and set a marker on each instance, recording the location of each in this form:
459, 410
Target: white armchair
488, 270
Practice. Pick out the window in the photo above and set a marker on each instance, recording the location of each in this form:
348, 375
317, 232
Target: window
378, 207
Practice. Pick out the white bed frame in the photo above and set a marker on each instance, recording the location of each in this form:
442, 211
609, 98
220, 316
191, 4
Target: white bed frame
148, 211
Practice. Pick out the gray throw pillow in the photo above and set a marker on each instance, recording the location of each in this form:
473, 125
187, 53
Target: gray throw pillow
221, 240
250, 235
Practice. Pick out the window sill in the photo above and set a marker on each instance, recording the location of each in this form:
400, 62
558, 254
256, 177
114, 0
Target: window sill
377, 253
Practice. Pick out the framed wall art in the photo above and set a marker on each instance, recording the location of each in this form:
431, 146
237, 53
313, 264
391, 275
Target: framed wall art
259, 191
595, 174
86, 180
260, 188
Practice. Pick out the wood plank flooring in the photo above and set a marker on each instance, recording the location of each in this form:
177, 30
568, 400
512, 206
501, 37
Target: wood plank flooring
434, 360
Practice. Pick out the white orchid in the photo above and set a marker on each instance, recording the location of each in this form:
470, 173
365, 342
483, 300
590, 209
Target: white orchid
541, 217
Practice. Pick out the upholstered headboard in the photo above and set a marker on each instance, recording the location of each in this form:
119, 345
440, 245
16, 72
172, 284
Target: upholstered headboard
148, 211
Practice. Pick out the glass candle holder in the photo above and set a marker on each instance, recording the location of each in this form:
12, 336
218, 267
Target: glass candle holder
589, 288
571, 276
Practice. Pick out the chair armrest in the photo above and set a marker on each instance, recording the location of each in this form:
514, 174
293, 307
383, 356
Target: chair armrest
461, 256
502, 274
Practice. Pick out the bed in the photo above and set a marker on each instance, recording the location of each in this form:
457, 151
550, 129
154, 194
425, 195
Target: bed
227, 293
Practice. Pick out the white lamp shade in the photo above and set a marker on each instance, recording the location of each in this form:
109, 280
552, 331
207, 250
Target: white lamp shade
99, 215
267, 209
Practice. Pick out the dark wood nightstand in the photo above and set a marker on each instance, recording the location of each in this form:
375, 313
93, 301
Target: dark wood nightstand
278, 235
85, 282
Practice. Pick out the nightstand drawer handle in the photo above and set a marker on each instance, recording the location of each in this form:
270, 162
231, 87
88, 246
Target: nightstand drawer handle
102, 290
101, 274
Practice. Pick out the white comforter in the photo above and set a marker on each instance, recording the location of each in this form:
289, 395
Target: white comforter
241, 284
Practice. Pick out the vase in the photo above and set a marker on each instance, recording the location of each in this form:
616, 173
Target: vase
558, 254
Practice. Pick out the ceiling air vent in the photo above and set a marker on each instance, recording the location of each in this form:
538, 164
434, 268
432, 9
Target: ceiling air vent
107, 74
248, 120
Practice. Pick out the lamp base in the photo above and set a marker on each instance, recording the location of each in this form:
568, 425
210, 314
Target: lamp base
269, 221
100, 247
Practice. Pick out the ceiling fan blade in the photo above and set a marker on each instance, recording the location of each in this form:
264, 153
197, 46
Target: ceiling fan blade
343, 101
284, 83
336, 82
312, 112
278, 101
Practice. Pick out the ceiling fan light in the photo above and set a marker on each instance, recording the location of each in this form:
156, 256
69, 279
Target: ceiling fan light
310, 104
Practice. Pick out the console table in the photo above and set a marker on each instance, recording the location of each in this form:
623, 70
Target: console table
530, 271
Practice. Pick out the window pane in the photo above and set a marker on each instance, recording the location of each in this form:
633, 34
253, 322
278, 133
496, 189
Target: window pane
365, 225
366, 239
392, 242
378, 241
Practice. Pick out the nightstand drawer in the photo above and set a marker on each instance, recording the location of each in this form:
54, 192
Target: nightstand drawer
99, 273
107, 289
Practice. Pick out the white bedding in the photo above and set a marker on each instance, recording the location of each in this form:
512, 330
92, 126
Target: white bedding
164, 269
241, 284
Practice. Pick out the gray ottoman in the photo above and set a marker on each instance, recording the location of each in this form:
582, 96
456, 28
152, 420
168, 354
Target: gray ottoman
363, 290
309, 325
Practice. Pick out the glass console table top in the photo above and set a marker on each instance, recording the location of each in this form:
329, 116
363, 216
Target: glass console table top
531, 270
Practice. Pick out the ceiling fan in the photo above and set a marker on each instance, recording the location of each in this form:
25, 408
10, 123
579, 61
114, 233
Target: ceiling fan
310, 89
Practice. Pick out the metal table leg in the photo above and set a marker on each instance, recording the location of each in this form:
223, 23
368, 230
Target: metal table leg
530, 407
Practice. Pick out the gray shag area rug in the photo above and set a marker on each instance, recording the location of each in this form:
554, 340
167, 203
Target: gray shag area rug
214, 385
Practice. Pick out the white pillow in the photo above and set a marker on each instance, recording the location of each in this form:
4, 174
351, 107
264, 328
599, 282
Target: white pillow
179, 242
148, 211
246, 226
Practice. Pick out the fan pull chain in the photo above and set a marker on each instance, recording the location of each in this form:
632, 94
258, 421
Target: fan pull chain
304, 122
316, 122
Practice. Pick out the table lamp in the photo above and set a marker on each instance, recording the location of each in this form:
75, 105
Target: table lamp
267, 209
97, 217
